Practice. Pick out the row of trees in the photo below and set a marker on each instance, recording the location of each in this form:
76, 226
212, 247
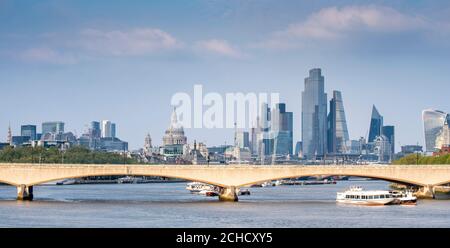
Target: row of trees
420, 159
73, 155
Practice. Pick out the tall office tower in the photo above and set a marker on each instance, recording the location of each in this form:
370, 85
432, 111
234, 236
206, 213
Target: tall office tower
28, 131
314, 115
95, 130
337, 126
389, 132
106, 128
376, 125
54, 127
264, 131
282, 129
254, 140
434, 121
113, 130
443, 138
242, 139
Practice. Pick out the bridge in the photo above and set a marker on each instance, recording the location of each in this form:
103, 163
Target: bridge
227, 177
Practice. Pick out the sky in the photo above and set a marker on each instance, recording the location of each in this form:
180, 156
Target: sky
83, 60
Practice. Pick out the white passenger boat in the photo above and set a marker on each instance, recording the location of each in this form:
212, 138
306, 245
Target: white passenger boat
404, 198
197, 187
356, 195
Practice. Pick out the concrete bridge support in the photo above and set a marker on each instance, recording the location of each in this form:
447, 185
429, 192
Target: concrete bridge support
426, 192
228, 194
25, 193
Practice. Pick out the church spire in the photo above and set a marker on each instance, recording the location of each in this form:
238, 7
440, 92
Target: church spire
9, 134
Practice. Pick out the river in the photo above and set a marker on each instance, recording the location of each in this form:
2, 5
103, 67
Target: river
171, 205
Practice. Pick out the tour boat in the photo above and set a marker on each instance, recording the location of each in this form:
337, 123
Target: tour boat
197, 187
67, 182
127, 179
208, 193
404, 198
356, 195
243, 192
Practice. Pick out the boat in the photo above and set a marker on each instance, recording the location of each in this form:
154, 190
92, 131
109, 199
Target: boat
208, 193
197, 187
356, 195
404, 198
67, 182
127, 179
243, 192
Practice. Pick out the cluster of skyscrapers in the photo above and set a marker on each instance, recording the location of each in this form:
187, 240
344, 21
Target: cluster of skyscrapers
100, 136
325, 134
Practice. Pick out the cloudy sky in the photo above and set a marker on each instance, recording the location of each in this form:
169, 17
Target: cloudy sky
81, 60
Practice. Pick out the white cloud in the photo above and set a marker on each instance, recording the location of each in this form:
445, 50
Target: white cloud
134, 42
220, 47
46, 55
334, 23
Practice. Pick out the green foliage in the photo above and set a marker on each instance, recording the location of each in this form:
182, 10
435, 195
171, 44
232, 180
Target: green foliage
414, 159
74, 155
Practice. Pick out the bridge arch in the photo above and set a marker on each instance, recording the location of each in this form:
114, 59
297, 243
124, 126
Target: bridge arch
119, 174
388, 179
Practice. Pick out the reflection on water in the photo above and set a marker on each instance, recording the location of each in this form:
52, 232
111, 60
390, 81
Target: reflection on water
170, 205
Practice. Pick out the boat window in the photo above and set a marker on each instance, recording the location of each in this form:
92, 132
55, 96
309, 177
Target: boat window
376, 196
381, 196
370, 196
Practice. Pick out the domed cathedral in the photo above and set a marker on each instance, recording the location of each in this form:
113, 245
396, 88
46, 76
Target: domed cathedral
175, 133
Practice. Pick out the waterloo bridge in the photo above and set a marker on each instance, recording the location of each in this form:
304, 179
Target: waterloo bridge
227, 177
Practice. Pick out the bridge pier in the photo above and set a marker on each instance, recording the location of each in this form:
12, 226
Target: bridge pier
426, 192
24, 193
228, 194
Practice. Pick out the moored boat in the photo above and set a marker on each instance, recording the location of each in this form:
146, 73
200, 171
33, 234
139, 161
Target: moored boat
356, 195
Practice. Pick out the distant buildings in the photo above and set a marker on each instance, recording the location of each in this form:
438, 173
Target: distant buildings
338, 137
243, 139
52, 127
314, 116
381, 140
28, 131
174, 140
376, 125
101, 136
282, 129
435, 123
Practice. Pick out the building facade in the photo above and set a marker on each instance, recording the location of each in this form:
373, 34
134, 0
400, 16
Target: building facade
376, 125
52, 127
28, 131
314, 115
338, 136
433, 122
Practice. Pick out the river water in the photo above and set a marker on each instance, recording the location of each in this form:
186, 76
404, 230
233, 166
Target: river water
171, 205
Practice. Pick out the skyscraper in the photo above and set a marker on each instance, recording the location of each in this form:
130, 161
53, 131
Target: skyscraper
95, 130
282, 129
113, 130
337, 126
376, 125
389, 132
314, 115
53, 127
108, 129
28, 131
242, 139
434, 121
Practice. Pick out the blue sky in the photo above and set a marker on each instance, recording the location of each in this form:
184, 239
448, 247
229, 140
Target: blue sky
78, 61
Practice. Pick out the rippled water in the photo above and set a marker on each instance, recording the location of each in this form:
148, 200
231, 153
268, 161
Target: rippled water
170, 205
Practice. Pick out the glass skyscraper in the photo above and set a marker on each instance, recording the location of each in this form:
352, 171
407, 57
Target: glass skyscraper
389, 132
434, 121
314, 115
52, 127
282, 129
28, 131
337, 126
376, 125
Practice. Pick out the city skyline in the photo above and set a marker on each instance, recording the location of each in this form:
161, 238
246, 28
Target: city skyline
55, 70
